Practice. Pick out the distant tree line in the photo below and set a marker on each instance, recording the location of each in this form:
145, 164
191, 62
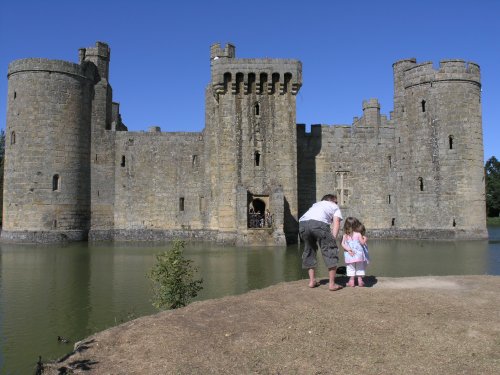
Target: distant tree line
492, 172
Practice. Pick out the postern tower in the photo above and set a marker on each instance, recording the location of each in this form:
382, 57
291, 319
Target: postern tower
251, 146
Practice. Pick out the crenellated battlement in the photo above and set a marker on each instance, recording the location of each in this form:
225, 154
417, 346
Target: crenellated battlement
261, 76
449, 70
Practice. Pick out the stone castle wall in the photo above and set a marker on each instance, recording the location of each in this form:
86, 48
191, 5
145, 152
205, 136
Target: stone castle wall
416, 174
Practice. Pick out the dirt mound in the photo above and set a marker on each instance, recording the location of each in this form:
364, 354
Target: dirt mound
419, 325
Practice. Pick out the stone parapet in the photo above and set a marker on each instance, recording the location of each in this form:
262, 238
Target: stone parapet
51, 66
449, 70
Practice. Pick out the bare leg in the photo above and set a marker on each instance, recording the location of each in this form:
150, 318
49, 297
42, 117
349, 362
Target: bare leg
312, 278
331, 276
351, 281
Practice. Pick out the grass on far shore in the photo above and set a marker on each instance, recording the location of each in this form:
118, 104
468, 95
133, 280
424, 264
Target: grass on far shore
493, 220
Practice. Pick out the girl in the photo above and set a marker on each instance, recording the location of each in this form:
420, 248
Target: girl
356, 250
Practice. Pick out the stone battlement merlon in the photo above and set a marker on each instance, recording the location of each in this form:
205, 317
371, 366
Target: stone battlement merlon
449, 70
51, 66
216, 52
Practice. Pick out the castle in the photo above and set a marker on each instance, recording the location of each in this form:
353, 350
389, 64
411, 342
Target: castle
73, 171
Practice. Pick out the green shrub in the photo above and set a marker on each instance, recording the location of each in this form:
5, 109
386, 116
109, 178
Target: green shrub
172, 279
493, 220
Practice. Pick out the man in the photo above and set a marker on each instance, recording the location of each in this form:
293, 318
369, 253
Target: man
320, 225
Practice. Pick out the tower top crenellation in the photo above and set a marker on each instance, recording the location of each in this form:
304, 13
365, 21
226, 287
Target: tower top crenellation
216, 52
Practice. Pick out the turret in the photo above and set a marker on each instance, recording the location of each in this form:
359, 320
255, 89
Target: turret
439, 141
47, 167
371, 112
99, 55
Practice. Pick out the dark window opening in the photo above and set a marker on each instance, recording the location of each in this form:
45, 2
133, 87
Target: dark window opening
195, 160
399, 140
454, 223
54, 223
256, 109
96, 158
423, 105
421, 183
393, 221
13, 138
15, 94
123, 161
257, 158
389, 199
450, 142
55, 182
389, 158
181, 204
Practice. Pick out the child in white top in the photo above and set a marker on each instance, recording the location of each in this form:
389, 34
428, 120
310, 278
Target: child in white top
355, 250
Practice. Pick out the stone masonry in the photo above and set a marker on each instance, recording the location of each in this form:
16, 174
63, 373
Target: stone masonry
73, 171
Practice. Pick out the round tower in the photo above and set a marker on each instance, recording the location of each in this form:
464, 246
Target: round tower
47, 166
440, 149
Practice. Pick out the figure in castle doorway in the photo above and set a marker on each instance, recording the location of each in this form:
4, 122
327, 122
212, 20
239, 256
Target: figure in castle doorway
320, 226
269, 219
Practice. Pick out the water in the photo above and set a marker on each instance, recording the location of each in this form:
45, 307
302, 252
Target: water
78, 289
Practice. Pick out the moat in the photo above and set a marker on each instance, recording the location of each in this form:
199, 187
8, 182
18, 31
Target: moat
81, 288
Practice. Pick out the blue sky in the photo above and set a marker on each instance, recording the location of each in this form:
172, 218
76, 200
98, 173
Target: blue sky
160, 50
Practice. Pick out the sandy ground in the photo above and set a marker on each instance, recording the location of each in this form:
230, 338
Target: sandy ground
421, 325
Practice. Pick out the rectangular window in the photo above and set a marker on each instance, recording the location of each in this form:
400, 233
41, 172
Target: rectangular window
343, 188
181, 204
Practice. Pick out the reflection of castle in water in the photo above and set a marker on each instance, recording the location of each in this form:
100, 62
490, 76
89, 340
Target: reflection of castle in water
251, 168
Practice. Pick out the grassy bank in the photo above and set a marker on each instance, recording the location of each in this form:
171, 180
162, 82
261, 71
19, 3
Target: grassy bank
493, 220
